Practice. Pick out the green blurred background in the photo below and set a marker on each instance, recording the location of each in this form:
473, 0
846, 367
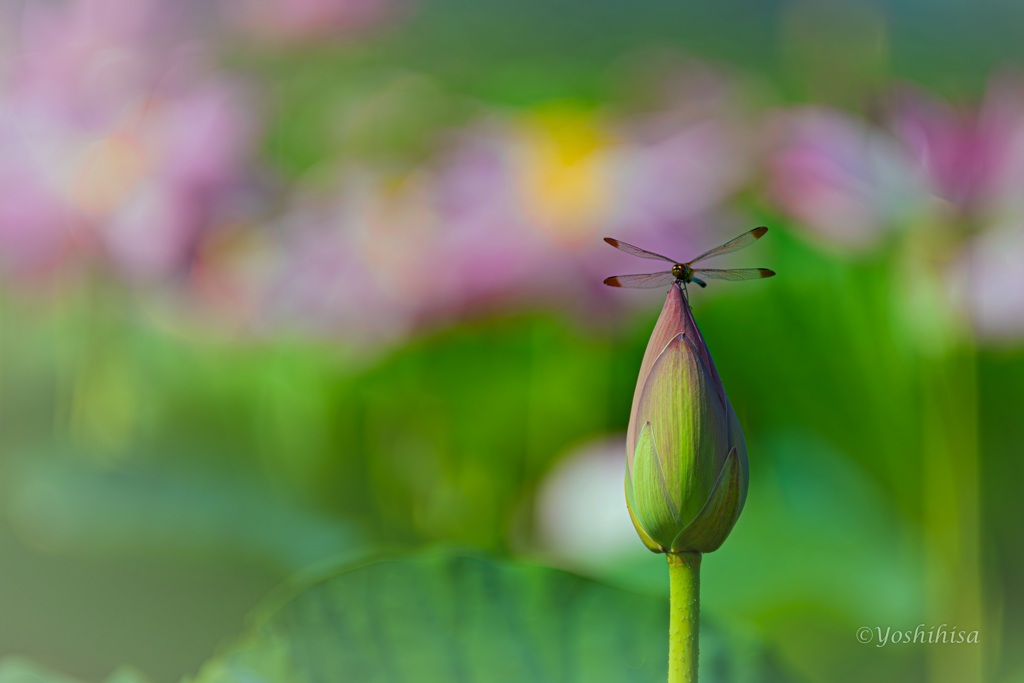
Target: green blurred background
287, 282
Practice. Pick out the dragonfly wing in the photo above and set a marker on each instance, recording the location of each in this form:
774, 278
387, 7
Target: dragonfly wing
733, 273
645, 281
637, 251
732, 245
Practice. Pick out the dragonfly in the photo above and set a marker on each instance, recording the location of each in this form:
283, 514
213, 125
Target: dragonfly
684, 272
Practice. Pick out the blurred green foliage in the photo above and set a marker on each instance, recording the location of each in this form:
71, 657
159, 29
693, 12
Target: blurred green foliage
446, 616
267, 457
158, 480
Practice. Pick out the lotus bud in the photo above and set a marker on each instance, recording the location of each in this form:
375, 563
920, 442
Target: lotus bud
686, 460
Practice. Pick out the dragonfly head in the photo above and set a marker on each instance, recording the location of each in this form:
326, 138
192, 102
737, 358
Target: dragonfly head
683, 272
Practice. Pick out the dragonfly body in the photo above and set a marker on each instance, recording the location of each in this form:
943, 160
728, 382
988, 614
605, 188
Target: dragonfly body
683, 272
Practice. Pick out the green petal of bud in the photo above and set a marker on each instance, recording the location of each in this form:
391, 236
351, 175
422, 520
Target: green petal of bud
686, 459
653, 502
712, 525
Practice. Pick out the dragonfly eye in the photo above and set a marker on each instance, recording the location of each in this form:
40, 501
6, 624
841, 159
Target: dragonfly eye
678, 270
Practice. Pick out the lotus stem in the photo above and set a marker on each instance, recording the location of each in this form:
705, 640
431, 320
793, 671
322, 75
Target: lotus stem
684, 616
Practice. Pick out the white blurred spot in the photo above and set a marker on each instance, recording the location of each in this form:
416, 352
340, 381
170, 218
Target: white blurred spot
995, 282
581, 506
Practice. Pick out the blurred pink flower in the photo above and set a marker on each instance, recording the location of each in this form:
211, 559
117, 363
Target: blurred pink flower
510, 213
972, 157
849, 183
691, 154
126, 150
851, 180
841, 178
35, 224
525, 202
688, 171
